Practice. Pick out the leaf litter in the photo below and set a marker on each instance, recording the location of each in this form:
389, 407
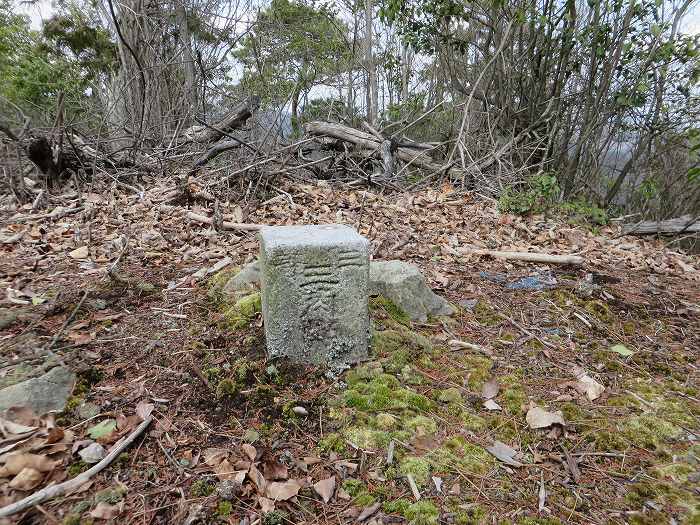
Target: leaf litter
139, 340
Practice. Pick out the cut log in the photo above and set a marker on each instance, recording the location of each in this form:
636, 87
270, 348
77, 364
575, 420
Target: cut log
235, 119
371, 144
529, 257
679, 225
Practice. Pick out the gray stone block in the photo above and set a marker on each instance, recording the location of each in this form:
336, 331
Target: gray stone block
405, 286
315, 289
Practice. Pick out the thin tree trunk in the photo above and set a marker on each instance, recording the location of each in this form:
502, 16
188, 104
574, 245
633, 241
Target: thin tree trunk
372, 98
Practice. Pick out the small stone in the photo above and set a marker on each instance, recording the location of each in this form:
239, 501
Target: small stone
88, 410
300, 411
93, 453
228, 489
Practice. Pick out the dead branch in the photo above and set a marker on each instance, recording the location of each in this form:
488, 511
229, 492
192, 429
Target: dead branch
236, 118
224, 224
529, 257
679, 225
75, 483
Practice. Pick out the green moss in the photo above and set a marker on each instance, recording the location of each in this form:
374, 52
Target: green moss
421, 425
422, 513
485, 314
393, 311
72, 403
458, 455
472, 421
226, 388
399, 347
111, 496
385, 421
224, 509
479, 368
417, 467
71, 519
358, 490
216, 282
332, 442
648, 431
77, 468
276, 517
450, 395
201, 489
243, 311
398, 506
367, 438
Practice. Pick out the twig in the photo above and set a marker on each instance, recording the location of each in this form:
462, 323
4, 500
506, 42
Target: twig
67, 321
73, 484
225, 225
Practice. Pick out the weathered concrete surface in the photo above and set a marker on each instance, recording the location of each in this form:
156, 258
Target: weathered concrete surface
315, 283
405, 286
42, 394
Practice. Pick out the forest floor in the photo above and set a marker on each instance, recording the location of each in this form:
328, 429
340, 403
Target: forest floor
602, 358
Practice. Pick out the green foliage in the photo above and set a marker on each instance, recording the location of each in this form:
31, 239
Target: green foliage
293, 46
31, 76
539, 195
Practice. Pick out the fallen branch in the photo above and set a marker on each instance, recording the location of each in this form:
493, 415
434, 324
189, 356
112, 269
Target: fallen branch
71, 485
234, 120
225, 225
529, 257
684, 224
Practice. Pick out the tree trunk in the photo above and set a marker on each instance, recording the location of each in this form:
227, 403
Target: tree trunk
372, 98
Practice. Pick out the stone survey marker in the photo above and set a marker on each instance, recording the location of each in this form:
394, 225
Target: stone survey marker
315, 284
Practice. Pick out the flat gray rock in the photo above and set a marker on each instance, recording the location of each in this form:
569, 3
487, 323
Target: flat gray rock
405, 286
244, 282
42, 394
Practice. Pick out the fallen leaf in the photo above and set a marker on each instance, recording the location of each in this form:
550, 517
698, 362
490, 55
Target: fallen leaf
18, 461
325, 488
249, 450
143, 409
542, 496
258, 479
490, 404
282, 490
438, 484
490, 389
80, 253
214, 456
273, 470
266, 504
102, 429
585, 384
8, 427
538, 417
368, 511
622, 350
504, 453
26, 479
105, 511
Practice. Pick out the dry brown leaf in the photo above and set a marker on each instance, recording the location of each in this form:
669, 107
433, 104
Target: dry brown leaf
505, 453
490, 389
18, 461
274, 470
325, 488
8, 428
258, 479
143, 409
26, 479
538, 417
282, 490
105, 511
266, 504
585, 384
224, 470
249, 451
214, 456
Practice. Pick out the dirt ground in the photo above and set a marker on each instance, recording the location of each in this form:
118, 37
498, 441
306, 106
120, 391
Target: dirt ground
602, 358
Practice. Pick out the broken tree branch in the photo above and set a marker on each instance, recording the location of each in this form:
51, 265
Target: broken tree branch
528, 257
684, 224
236, 118
224, 224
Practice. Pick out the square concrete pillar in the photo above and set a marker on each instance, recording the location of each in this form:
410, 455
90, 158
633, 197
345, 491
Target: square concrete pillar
315, 286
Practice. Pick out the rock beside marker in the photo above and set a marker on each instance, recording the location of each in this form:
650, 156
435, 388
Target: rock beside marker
398, 281
42, 394
405, 286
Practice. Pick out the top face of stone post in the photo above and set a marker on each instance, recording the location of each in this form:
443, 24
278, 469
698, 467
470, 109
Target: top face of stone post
315, 286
